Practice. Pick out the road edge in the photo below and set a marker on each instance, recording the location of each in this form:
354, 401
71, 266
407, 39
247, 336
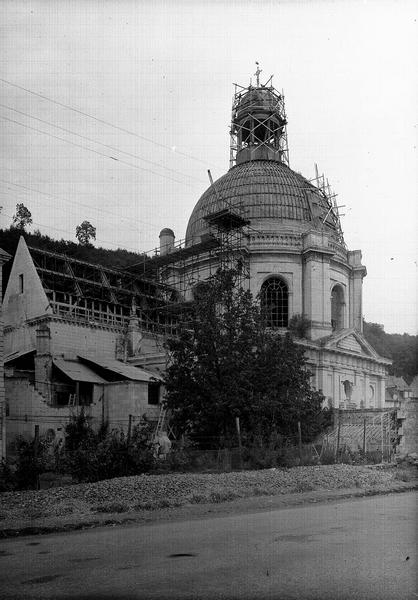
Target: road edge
208, 510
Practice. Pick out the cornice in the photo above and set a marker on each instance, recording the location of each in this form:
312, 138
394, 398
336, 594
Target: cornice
69, 321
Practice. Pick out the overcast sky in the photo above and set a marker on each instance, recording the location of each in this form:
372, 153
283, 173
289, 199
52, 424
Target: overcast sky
157, 77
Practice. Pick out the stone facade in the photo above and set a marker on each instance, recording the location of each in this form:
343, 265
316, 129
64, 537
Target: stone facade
408, 418
4, 257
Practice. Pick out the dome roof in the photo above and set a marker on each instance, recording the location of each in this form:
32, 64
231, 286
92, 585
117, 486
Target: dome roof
268, 194
166, 231
256, 98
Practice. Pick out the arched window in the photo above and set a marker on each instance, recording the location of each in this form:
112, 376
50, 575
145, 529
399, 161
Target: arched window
275, 302
337, 308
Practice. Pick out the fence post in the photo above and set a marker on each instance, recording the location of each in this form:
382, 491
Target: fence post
239, 441
364, 436
35, 456
382, 430
103, 405
128, 441
300, 441
337, 447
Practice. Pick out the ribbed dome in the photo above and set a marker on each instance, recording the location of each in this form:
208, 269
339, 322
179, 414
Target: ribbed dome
267, 192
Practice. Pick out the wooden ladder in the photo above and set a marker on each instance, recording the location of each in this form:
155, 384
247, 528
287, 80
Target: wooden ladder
161, 421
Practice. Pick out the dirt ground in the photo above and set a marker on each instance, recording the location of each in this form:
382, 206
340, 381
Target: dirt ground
145, 499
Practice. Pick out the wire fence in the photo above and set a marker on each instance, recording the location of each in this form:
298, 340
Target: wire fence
366, 432
356, 437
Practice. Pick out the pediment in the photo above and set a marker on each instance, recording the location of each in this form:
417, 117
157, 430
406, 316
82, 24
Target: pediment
350, 340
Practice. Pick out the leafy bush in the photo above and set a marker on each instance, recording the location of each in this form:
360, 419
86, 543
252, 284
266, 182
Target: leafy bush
92, 456
32, 459
327, 456
8, 481
299, 326
257, 457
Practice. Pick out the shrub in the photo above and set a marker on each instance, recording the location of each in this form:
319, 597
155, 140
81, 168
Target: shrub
198, 498
257, 457
299, 326
405, 474
8, 481
327, 456
32, 459
92, 456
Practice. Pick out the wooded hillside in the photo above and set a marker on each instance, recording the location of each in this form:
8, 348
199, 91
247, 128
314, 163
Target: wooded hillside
402, 349
117, 259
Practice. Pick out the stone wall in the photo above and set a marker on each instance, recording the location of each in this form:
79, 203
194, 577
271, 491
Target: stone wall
122, 399
112, 402
408, 413
72, 338
27, 408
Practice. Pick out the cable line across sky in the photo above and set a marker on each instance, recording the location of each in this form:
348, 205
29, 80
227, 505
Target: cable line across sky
95, 151
101, 143
67, 200
80, 112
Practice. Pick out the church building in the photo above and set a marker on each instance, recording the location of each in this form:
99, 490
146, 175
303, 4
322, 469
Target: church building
286, 232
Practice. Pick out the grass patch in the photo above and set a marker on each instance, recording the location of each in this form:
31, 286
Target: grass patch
303, 486
35, 513
198, 499
114, 507
405, 474
156, 504
64, 510
227, 496
261, 491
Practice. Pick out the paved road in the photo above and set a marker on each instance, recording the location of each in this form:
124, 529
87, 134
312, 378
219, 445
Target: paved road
358, 549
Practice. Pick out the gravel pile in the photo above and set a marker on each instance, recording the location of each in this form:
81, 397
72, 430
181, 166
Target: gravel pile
147, 492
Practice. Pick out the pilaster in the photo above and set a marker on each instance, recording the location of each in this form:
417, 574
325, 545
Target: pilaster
358, 272
316, 283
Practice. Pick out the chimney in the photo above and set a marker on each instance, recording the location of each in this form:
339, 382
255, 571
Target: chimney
166, 241
43, 361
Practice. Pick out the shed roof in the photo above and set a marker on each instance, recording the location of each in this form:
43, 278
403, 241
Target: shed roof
18, 354
122, 369
77, 371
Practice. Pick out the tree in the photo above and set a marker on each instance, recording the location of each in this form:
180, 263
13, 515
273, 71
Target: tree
84, 233
401, 349
22, 218
228, 365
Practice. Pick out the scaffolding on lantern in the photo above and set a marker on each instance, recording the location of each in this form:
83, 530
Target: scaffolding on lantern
258, 123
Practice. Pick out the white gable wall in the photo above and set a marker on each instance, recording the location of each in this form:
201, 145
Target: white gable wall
19, 304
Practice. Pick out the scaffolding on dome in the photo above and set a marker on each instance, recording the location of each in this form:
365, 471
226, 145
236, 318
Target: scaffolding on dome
333, 215
184, 266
